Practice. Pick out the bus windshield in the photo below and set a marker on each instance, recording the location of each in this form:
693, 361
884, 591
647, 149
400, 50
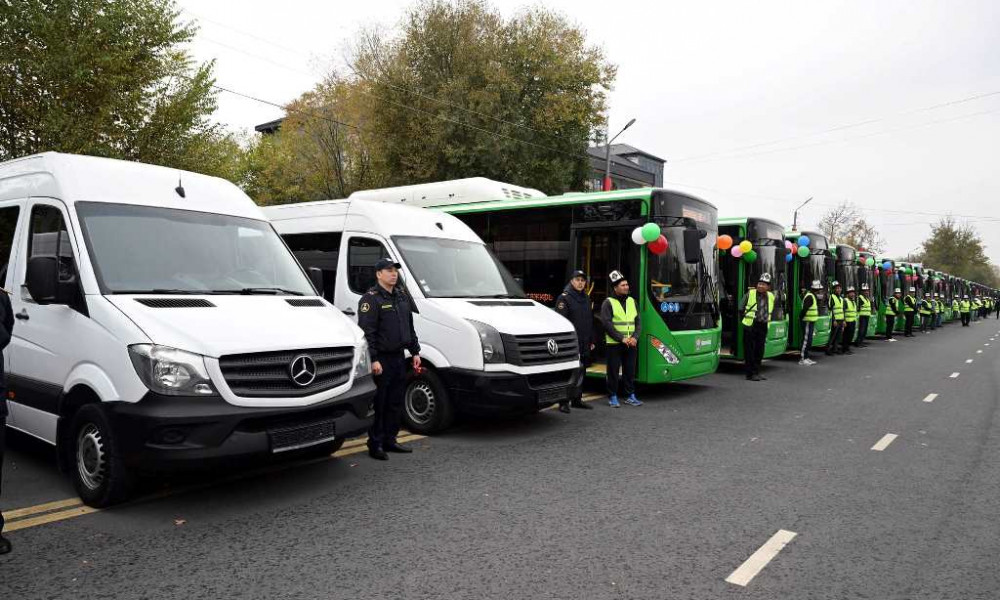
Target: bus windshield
767, 262
674, 280
446, 268
814, 269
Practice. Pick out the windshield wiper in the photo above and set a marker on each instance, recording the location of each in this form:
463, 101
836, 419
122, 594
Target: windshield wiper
166, 291
269, 290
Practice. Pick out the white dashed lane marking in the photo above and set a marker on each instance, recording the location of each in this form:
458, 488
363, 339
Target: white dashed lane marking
954, 375
968, 361
759, 559
930, 397
883, 443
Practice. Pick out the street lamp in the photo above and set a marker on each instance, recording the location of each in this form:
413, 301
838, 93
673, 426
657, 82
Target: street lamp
607, 158
795, 215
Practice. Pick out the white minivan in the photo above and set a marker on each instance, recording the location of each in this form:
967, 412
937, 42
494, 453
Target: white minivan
488, 349
162, 323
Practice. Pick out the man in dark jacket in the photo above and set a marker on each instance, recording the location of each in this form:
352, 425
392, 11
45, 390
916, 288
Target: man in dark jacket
385, 313
574, 304
6, 330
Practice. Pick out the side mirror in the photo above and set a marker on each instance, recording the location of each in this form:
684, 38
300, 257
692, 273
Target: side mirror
316, 276
692, 245
42, 279
831, 265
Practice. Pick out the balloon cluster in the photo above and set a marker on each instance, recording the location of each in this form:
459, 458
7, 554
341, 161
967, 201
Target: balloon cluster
649, 235
742, 250
866, 261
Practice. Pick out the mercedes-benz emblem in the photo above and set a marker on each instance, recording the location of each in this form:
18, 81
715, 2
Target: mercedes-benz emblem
302, 370
552, 346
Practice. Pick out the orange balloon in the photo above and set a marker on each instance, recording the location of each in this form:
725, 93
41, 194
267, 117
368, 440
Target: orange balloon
725, 242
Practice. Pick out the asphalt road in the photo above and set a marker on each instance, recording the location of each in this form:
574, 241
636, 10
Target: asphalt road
667, 500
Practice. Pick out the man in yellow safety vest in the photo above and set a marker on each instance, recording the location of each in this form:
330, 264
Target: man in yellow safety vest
620, 318
810, 314
864, 316
909, 311
850, 320
757, 307
893, 309
836, 319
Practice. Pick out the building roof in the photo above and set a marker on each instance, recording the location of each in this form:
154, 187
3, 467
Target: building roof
270, 126
629, 150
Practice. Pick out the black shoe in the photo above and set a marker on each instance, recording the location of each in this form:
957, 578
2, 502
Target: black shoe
581, 405
564, 408
754, 378
5, 546
395, 447
378, 453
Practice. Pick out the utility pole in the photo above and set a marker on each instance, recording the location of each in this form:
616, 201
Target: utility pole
795, 215
607, 156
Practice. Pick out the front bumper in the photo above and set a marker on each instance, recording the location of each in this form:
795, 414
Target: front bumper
166, 432
485, 393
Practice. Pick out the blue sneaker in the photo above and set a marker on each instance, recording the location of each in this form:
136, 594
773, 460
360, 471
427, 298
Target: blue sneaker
613, 402
632, 401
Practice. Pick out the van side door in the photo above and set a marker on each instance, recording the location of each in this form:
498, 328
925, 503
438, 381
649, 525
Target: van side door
358, 257
47, 337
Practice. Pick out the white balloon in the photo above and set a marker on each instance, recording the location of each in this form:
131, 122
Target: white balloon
637, 236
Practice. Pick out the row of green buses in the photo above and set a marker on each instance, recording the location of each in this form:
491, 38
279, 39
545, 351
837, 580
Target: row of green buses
689, 296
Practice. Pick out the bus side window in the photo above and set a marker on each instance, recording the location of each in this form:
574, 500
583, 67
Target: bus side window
320, 251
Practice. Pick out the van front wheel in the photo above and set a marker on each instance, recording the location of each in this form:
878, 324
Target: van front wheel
428, 408
98, 472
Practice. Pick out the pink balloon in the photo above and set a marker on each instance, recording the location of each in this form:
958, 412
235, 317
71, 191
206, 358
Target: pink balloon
736, 251
788, 244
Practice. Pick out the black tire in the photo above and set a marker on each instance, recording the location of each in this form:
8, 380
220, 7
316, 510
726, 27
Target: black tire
427, 408
96, 466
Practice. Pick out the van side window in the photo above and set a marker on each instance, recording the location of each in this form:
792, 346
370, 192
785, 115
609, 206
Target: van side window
318, 251
49, 237
362, 254
8, 226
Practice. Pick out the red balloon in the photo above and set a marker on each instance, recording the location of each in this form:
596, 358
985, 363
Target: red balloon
795, 248
659, 246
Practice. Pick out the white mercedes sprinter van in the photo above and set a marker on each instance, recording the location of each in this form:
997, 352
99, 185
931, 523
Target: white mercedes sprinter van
161, 322
488, 349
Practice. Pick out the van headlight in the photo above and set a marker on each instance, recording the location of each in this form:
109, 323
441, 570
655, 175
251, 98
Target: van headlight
664, 351
170, 371
363, 367
491, 342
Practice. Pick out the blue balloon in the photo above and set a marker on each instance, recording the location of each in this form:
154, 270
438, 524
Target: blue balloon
887, 265
804, 241
788, 257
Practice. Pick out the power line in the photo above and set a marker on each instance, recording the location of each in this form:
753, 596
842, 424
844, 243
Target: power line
838, 127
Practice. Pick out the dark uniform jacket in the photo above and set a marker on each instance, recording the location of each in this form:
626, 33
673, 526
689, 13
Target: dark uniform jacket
6, 330
387, 320
575, 306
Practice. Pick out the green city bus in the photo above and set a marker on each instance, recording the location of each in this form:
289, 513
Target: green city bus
868, 274
738, 276
818, 266
541, 240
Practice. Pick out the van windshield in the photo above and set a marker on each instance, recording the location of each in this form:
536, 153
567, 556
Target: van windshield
447, 268
144, 249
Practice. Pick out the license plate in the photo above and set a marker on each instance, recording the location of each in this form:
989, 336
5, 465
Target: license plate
295, 437
553, 395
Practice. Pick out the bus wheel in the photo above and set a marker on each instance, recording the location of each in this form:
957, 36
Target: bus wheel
98, 472
428, 408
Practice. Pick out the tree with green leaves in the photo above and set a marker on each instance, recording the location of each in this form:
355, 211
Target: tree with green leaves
958, 250
108, 78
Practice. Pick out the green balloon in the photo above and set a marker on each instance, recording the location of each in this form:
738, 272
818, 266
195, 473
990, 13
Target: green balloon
871, 262
803, 251
650, 232
750, 256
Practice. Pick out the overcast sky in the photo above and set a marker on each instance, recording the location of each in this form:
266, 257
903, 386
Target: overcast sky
713, 86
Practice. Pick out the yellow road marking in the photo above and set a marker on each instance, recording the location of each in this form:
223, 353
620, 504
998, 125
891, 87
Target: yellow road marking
41, 508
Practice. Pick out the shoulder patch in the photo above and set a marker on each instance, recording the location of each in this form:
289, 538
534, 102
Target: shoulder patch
561, 305
365, 307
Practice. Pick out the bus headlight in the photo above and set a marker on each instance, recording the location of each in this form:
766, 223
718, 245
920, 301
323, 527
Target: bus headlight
664, 351
491, 341
170, 371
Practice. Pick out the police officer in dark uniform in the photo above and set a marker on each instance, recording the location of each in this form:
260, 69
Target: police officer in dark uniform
574, 304
385, 313
6, 330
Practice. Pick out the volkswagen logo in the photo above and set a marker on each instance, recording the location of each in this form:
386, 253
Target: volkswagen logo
552, 347
302, 370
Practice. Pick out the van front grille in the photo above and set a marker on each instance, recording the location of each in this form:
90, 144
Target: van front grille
528, 350
271, 375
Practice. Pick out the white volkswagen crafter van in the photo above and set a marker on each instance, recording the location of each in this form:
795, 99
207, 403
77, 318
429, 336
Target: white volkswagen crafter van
488, 349
162, 323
